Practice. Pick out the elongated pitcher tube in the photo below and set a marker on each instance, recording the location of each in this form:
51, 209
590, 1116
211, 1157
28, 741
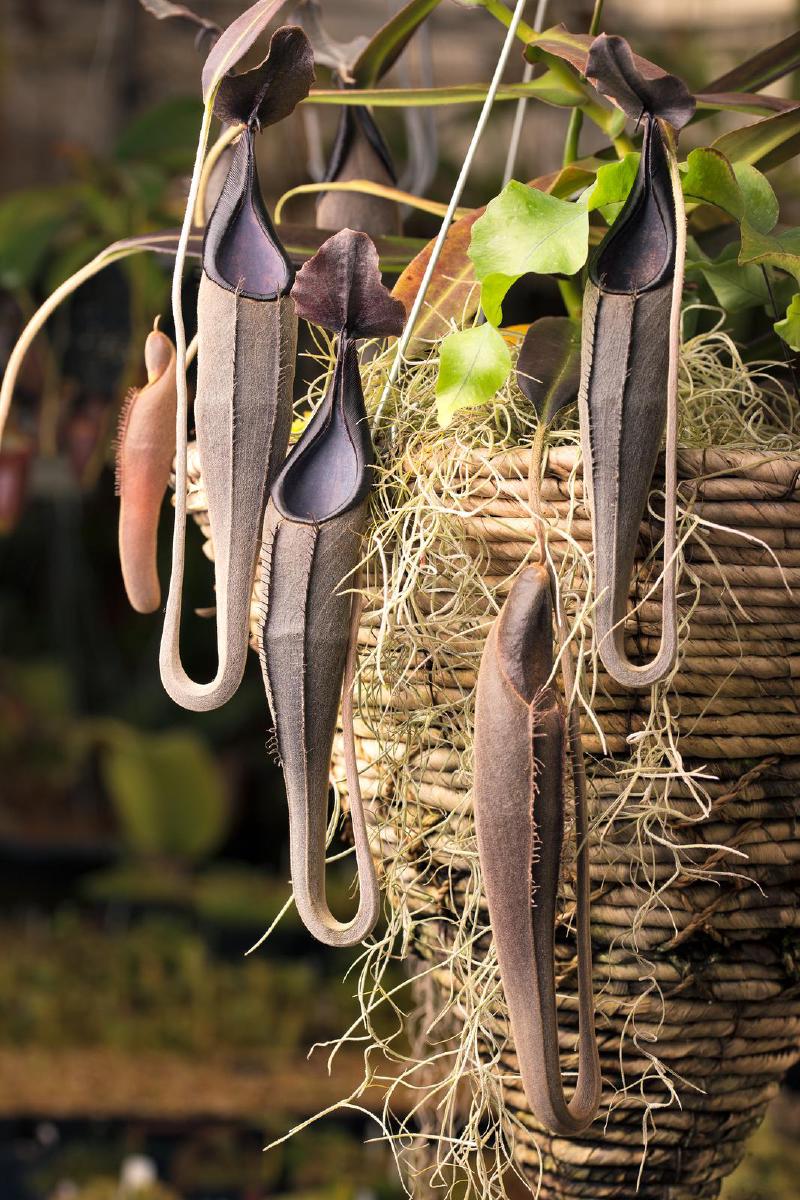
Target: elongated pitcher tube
247, 329
312, 547
628, 396
520, 770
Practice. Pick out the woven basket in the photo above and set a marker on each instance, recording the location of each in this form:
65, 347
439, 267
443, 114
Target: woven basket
718, 1002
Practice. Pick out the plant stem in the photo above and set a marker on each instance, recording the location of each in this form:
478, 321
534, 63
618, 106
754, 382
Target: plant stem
498, 10
597, 16
572, 296
576, 116
535, 487
573, 137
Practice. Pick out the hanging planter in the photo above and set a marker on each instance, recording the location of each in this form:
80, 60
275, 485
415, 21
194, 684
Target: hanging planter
694, 884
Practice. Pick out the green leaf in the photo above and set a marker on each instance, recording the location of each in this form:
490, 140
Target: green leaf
789, 327
769, 142
547, 87
736, 288
768, 249
611, 187
525, 230
568, 180
760, 201
473, 365
386, 46
167, 791
709, 179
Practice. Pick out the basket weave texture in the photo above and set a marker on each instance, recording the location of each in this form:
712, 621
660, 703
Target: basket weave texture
716, 976
704, 980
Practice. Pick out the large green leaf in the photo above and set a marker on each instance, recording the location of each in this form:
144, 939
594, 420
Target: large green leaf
168, 792
735, 287
612, 185
473, 365
710, 179
789, 327
525, 230
758, 197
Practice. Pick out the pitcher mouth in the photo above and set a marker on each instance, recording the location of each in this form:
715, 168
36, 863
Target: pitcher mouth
329, 472
242, 251
638, 252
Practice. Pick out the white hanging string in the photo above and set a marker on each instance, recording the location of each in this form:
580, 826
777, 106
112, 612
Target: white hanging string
522, 103
455, 199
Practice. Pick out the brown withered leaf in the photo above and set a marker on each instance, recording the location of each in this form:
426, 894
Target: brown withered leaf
636, 85
453, 290
273, 89
549, 365
340, 288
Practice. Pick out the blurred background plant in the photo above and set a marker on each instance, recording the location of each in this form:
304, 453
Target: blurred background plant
143, 849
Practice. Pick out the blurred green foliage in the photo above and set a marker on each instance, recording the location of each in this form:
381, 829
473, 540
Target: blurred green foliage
157, 986
167, 790
47, 233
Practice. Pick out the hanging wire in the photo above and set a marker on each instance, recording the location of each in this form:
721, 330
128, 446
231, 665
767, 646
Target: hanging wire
447, 220
519, 115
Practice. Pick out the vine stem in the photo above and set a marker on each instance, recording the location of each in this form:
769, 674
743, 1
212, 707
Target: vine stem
225, 139
39, 318
179, 527
576, 116
419, 299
